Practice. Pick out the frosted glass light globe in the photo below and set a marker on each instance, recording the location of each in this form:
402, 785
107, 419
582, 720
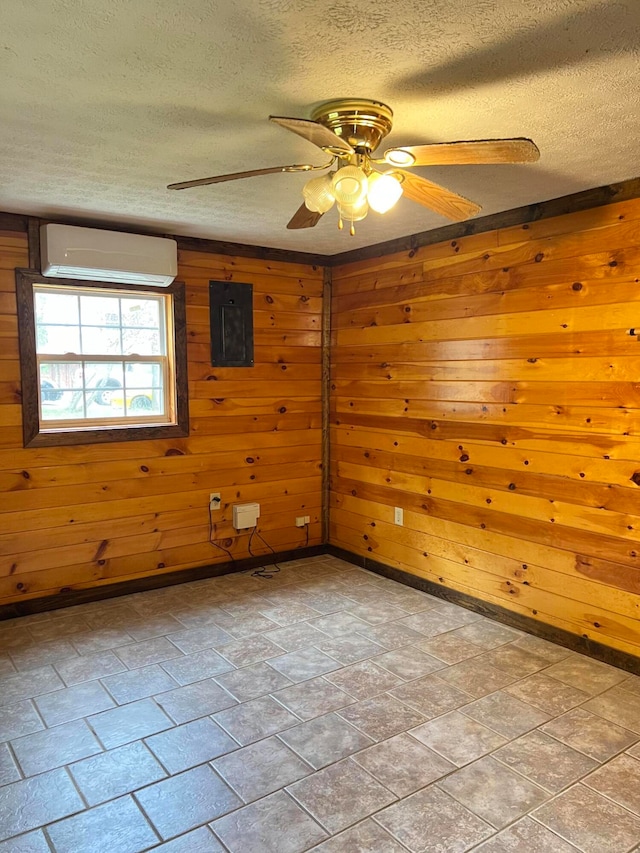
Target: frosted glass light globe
317, 194
349, 185
384, 191
353, 212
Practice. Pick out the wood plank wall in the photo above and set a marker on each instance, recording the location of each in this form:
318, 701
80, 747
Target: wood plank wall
77, 517
489, 386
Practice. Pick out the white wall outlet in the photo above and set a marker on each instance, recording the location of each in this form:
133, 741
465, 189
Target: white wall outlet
301, 520
398, 515
215, 501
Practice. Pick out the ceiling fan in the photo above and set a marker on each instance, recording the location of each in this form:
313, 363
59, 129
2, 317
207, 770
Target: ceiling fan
350, 131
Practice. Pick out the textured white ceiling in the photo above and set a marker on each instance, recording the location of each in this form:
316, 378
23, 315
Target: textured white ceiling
103, 104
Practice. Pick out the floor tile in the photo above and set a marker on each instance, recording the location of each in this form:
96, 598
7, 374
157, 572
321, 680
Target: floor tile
476, 677
514, 660
325, 602
89, 667
619, 780
129, 722
589, 821
304, 664
313, 698
339, 624
197, 667
199, 841
116, 827
8, 769
256, 719
147, 652
546, 761
74, 702
412, 600
36, 801
186, 801
340, 795
299, 636
375, 611
431, 821
366, 837
350, 648
117, 772
288, 614
244, 626
590, 676
99, 641
325, 740
458, 738
526, 836
488, 634
364, 680
195, 700
37, 656
430, 623
261, 768
153, 626
25, 685
252, 681
408, 662
57, 628
32, 842
196, 639
191, 744
431, 696
403, 765
550, 651
138, 684
392, 635
19, 719
591, 734
548, 694
381, 717
493, 792
6, 666
55, 747
617, 707
250, 650
449, 648
275, 824
505, 714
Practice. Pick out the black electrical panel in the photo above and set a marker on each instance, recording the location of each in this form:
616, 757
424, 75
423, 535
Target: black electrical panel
231, 318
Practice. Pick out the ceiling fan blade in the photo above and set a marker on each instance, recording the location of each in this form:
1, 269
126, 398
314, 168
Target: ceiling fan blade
316, 133
480, 151
253, 173
303, 218
437, 198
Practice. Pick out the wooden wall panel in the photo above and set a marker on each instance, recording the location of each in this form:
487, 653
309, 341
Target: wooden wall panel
78, 517
490, 386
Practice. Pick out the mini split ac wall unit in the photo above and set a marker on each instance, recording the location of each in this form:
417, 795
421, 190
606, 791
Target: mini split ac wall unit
91, 254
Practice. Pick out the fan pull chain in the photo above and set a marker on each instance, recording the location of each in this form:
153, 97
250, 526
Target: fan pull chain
340, 224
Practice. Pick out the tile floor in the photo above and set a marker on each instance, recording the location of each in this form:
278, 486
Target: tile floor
324, 709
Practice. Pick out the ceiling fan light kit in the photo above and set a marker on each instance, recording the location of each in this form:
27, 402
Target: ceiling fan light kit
349, 131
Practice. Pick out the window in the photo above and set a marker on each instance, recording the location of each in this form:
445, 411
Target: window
101, 362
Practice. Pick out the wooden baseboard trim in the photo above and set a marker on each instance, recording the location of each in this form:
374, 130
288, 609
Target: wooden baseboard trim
115, 590
575, 642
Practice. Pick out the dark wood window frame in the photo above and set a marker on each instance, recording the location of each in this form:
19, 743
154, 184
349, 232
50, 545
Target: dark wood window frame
34, 433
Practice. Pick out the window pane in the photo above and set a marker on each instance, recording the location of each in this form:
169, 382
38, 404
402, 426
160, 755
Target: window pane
143, 375
141, 312
141, 342
104, 380
61, 391
98, 340
100, 310
57, 339
56, 307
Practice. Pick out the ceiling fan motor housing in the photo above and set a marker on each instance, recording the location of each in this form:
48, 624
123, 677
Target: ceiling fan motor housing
361, 123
